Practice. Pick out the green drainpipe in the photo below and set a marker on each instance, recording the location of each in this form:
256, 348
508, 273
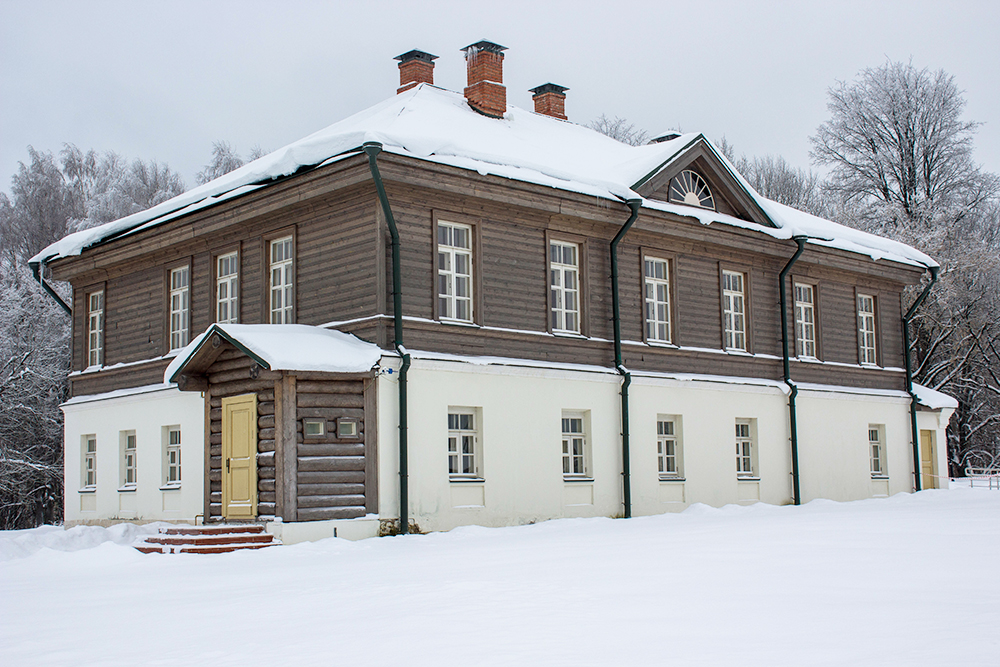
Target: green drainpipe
787, 374
909, 376
633, 205
373, 148
38, 268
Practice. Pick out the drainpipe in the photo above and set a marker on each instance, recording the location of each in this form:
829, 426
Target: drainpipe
38, 268
633, 205
373, 148
787, 375
909, 376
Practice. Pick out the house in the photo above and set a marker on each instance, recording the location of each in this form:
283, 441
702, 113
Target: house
445, 310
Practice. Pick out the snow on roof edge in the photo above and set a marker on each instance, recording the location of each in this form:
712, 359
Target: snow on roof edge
933, 399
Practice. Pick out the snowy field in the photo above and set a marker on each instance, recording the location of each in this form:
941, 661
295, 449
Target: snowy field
909, 580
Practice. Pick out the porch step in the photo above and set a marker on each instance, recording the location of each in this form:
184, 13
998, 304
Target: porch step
206, 539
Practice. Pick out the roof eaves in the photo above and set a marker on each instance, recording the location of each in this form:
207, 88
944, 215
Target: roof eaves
215, 329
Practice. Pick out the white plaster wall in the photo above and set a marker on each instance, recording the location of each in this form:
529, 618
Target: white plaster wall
521, 444
146, 413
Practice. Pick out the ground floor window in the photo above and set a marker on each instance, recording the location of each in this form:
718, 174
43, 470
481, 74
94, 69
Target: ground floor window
574, 445
745, 454
89, 466
463, 444
172, 456
668, 447
128, 459
876, 449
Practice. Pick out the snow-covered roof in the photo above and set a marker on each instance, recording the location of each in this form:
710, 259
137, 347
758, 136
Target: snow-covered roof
933, 399
437, 125
287, 347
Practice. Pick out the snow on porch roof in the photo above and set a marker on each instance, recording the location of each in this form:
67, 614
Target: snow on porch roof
933, 399
436, 125
286, 347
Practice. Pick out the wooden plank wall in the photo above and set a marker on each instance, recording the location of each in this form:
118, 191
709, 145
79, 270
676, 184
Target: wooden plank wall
331, 470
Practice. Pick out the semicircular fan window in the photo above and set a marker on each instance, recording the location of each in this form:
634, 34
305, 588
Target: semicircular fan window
690, 188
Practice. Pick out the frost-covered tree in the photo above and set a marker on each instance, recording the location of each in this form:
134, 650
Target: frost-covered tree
774, 178
900, 154
619, 129
224, 160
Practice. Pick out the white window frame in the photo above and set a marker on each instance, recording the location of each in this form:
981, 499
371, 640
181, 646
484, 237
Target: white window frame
281, 293
867, 333
171, 457
129, 468
88, 462
805, 320
657, 299
564, 287
876, 451
95, 328
455, 286
575, 446
746, 449
180, 307
227, 288
734, 318
669, 449
464, 450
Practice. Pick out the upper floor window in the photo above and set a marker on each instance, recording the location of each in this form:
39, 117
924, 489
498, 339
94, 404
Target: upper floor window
463, 445
657, 279
95, 328
282, 281
745, 454
877, 450
454, 271
688, 187
866, 330
805, 321
564, 273
227, 289
574, 445
734, 311
180, 307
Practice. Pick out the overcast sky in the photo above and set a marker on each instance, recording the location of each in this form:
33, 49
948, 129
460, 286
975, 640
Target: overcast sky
163, 80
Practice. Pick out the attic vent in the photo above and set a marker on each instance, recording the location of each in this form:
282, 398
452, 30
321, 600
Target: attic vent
688, 187
666, 136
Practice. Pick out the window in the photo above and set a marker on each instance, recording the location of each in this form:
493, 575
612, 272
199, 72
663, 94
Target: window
128, 459
172, 456
227, 289
876, 450
463, 445
348, 428
734, 311
95, 329
564, 271
657, 300
866, 330
574, 446
180, 307
688, 187
282, 280
313, 428
454, 272
805, 321
89, 468
744, 449
668, 448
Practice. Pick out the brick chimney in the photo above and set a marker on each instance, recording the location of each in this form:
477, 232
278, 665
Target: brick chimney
415, 67
550, 100
486, 92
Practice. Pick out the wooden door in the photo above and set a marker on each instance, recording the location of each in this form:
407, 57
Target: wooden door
927, 458
239, 457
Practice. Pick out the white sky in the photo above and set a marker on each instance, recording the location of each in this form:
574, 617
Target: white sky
162, 80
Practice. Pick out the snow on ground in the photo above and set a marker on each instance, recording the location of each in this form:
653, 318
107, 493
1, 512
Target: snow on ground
905, 580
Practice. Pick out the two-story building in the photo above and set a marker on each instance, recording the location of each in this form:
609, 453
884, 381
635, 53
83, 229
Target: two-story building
456, 311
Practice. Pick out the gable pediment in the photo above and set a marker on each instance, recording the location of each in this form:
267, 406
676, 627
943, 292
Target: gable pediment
728, 195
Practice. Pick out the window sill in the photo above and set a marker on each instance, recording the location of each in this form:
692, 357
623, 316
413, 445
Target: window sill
88, 489
171, 487
737, 352
663, 343
880, 477
575, 480
871, 366
128, 488
808, 360
467, 480
568, 334
747, 479
670, 478
459, 323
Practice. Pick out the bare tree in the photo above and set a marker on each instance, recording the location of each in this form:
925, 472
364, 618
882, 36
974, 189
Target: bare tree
620, 129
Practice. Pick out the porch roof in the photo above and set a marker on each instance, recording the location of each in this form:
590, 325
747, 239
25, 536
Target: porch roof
279, 347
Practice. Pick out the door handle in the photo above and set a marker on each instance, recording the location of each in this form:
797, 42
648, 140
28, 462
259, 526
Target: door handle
227, 464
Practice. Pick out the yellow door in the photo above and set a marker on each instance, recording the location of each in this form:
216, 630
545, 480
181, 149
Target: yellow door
239, 457
927, 458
